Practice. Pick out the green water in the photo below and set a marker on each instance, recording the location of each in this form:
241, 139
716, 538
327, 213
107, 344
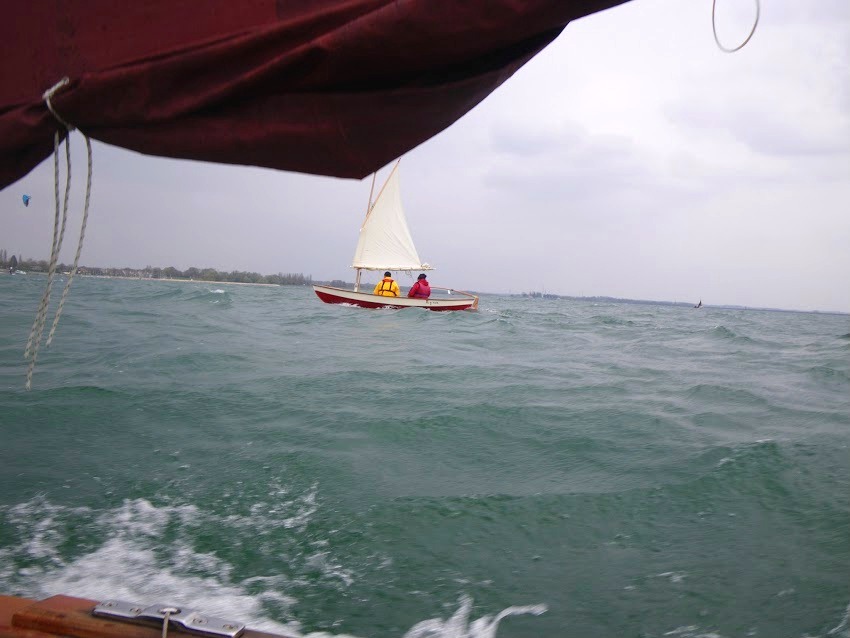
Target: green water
640, 470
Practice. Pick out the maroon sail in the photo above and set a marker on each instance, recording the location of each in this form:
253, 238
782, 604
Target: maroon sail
331, 87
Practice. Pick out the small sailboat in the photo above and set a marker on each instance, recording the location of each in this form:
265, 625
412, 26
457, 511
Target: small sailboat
385, 244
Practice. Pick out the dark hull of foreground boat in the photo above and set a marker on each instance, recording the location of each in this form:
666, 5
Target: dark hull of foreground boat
329, 294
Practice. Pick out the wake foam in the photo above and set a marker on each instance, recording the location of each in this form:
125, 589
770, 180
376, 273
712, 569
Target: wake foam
458, 625
135, 556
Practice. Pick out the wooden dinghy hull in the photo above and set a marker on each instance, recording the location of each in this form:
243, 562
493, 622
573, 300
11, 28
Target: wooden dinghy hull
65, 616
329, 294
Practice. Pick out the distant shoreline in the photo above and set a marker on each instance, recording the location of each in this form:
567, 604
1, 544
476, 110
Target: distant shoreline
185, 281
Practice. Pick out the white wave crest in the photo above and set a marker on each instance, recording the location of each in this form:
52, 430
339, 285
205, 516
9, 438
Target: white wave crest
458, 626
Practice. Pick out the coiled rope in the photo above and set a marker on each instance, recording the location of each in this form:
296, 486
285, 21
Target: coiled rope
714, 28
37, 330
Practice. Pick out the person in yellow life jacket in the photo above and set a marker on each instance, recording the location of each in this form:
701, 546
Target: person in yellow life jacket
387, 287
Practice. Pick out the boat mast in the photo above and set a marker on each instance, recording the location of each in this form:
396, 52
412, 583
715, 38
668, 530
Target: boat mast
368, 208
371, 192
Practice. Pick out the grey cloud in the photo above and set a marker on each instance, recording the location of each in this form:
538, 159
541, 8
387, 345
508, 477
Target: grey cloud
817, 12
597, 177
768, 133
507, 138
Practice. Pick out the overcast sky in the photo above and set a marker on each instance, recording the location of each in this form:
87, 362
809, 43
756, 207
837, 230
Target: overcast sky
631, 158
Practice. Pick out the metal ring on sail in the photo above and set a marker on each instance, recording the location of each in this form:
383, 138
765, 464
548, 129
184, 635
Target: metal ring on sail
744, 43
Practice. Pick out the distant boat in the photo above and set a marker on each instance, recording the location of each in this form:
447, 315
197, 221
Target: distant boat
385, 244
699, 305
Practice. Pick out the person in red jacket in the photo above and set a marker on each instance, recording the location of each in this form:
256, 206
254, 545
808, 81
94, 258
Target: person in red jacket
421, 289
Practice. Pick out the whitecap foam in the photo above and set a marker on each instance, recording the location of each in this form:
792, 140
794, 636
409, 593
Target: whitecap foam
458, 625
131, 564
842, 630
121, 569
691, 631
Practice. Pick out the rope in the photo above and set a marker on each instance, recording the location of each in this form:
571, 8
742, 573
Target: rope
714, 28
43, 302
49, 94
79, 248
34, 340
167, 611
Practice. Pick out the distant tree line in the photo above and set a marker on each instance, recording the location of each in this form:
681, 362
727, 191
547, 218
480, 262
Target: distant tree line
211, 274
151, 272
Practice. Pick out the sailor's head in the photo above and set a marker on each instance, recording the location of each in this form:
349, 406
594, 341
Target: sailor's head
422, 276
388, 274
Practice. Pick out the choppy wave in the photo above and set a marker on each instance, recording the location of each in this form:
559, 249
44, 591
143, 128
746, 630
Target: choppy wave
829, 373
139, 551
253, 452
608, 320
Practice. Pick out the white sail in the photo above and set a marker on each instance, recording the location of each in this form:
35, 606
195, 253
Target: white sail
385, 242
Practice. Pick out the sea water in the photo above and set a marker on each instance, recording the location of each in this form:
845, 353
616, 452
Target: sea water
583, 469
